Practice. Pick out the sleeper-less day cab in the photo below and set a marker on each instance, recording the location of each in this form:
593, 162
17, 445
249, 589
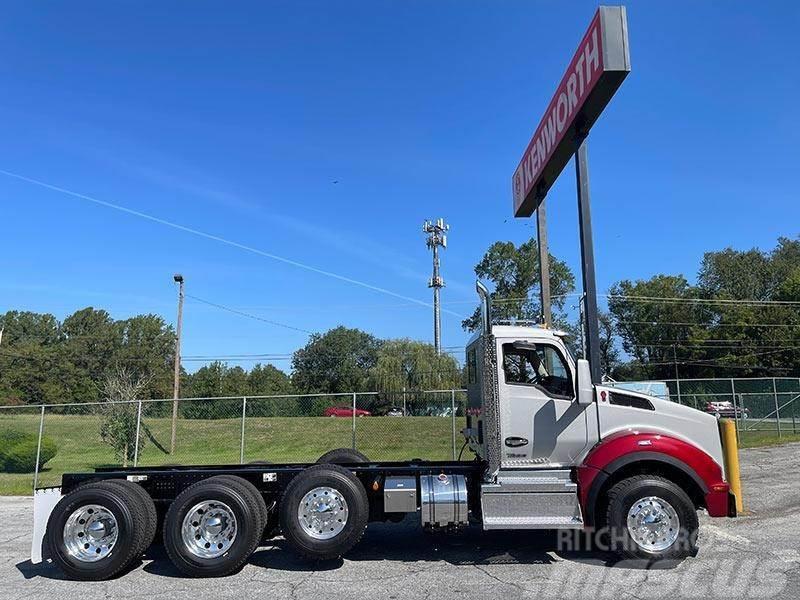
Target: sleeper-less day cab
551, 451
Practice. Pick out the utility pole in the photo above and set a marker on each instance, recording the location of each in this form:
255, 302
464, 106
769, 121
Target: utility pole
436, 237
176, 385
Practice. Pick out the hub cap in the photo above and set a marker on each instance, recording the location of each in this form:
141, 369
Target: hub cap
322, 513
653, 524
90, 533
209, 529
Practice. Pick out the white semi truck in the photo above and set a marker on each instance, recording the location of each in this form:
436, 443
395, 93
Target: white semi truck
551, 451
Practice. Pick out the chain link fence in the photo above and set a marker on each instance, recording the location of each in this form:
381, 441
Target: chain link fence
47, 441
40, 443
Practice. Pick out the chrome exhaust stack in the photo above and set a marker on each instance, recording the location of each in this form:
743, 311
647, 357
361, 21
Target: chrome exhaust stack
486, 307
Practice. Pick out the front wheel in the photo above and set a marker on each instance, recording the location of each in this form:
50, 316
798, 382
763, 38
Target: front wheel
651, 518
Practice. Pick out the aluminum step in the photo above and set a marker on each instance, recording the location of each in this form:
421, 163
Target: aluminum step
547, 501
533, 522
534, 481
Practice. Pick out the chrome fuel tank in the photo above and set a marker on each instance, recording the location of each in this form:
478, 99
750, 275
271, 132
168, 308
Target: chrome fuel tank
443, 500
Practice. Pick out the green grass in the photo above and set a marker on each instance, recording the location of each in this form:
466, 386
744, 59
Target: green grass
759, 439
276, 439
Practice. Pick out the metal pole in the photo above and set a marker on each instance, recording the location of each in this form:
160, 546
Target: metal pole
777, 410
38, 451
241, 445
544, 264
736, 409
437, 316
587, 259
176, 383
436, 237
354, 420
404, 402
453, 417
138, 428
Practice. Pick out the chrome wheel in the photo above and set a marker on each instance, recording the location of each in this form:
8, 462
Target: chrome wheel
209, 529
323, 513
653, 524
90, 533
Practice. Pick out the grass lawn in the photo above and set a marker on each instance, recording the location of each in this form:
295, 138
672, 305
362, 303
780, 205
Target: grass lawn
276, 439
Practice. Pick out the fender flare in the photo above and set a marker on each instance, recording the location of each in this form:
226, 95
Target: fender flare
603, 475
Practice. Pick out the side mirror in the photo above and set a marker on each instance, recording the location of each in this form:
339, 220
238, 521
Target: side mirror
585, 388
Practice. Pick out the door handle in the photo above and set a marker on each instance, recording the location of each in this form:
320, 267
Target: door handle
516, 442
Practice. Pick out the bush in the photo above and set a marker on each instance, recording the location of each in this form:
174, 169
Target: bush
18, 451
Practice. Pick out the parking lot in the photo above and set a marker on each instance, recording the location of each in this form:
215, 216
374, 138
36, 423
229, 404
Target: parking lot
754, 556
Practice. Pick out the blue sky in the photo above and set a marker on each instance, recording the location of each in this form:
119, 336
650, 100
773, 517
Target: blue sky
325, 133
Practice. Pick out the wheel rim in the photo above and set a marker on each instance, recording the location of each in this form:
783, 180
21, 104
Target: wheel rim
653, 524
323, 513
90, 533
209, 529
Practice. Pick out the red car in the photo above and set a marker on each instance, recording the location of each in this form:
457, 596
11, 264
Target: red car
345, 411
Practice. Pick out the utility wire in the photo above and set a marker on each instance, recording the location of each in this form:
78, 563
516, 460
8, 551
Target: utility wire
216, 238
248, 315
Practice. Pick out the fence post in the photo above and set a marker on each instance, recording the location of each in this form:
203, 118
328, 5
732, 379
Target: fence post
678, 383
354, 420
138, 428
38, 451
736, 408
453, 419
241, 445
777, 409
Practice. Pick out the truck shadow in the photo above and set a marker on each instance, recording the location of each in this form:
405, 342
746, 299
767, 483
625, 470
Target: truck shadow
404, 542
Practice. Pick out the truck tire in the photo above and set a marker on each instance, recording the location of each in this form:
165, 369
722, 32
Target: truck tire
324, 512
137, 494
248, 488
95, 532
342, 456
212, 527
651, 518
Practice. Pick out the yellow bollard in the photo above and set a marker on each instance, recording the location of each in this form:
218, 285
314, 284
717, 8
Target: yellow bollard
730, 451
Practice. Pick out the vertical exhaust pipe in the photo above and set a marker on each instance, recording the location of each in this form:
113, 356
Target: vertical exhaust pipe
486, 307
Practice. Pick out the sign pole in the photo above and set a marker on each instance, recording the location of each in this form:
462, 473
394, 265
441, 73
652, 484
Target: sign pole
587, 259
544, 264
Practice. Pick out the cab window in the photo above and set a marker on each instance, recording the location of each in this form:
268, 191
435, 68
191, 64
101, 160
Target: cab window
539, 365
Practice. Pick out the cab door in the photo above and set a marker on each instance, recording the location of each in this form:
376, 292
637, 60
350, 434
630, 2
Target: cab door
541, 423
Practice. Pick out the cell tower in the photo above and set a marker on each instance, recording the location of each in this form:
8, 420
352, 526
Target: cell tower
436, 237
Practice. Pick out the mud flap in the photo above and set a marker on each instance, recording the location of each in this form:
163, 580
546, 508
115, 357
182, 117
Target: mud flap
44, 501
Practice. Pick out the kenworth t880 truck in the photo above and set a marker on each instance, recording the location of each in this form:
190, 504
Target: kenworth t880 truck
551, 451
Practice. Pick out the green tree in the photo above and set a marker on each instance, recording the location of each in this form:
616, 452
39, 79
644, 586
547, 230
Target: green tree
267, 380
119, 409
514, 271
338, 360
724, 326
414, 367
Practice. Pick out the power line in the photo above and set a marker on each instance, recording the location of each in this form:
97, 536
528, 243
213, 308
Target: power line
248, 315
668, 299
215, 238
706, 325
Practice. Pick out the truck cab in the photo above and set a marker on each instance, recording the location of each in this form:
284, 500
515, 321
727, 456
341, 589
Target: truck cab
564, 452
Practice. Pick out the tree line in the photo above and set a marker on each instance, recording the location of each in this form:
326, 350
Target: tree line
740, 318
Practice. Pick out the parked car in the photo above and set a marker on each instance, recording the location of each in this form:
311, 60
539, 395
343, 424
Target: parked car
345, 411
395, 412
727, 409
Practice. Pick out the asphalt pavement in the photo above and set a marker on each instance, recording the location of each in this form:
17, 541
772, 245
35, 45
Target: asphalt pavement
753, 556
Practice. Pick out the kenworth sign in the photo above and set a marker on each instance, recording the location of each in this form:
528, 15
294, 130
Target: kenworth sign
596, 71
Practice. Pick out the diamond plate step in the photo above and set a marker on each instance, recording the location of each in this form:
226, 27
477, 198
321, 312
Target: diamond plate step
541, 522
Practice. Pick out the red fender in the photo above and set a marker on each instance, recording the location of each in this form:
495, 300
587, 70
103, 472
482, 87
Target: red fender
625, 447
